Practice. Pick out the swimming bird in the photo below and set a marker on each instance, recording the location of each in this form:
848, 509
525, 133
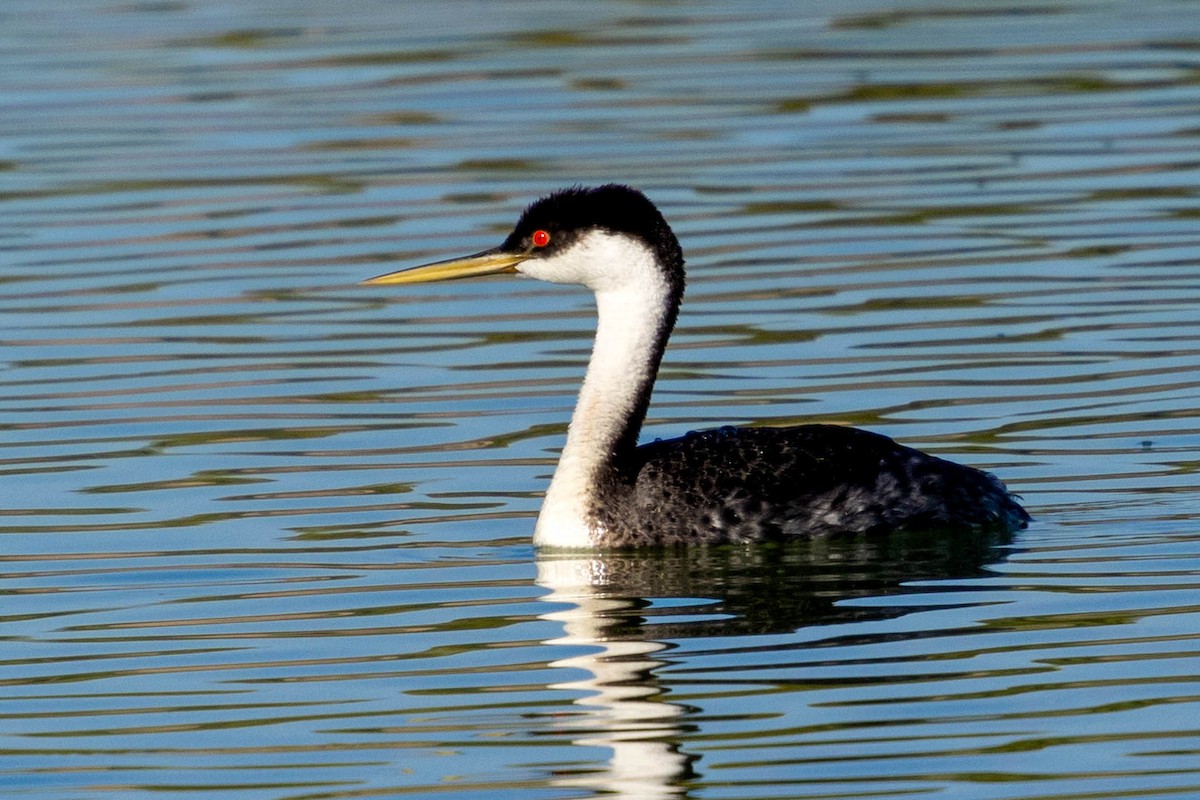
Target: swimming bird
730, 485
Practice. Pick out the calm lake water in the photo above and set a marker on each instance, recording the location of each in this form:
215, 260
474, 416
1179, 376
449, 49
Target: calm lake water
266, 533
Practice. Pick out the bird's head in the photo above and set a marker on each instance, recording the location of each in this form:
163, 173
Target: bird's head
604, 238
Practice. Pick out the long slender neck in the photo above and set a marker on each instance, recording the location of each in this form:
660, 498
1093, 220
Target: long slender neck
634, 321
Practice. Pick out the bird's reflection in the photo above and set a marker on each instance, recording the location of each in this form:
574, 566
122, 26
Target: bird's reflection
623, 609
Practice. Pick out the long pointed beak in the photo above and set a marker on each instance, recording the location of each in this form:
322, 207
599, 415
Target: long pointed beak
489, 262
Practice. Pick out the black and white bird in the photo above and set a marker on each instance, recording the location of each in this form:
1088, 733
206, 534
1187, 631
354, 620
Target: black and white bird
720, 486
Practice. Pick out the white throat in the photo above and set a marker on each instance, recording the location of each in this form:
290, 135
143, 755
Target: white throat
631, 302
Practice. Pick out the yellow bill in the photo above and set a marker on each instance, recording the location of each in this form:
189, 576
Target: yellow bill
489, 262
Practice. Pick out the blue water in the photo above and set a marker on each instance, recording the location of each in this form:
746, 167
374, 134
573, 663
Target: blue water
266, 533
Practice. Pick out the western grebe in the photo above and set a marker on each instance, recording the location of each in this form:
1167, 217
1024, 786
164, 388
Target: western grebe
725, 485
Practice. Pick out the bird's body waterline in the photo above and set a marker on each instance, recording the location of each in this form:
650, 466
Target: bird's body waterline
724, 486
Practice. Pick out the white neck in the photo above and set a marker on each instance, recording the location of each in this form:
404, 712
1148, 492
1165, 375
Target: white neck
630, 305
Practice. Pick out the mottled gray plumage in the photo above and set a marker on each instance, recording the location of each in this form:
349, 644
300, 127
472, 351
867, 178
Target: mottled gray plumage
763, 484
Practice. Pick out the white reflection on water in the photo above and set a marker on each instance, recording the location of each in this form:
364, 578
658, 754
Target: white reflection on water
623, 707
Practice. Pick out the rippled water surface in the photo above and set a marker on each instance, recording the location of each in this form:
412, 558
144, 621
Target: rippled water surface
266, 532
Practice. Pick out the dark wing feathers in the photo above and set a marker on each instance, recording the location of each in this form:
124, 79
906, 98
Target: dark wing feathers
753, 484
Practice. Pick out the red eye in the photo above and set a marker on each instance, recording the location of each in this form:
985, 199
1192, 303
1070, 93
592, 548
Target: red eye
540, 238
